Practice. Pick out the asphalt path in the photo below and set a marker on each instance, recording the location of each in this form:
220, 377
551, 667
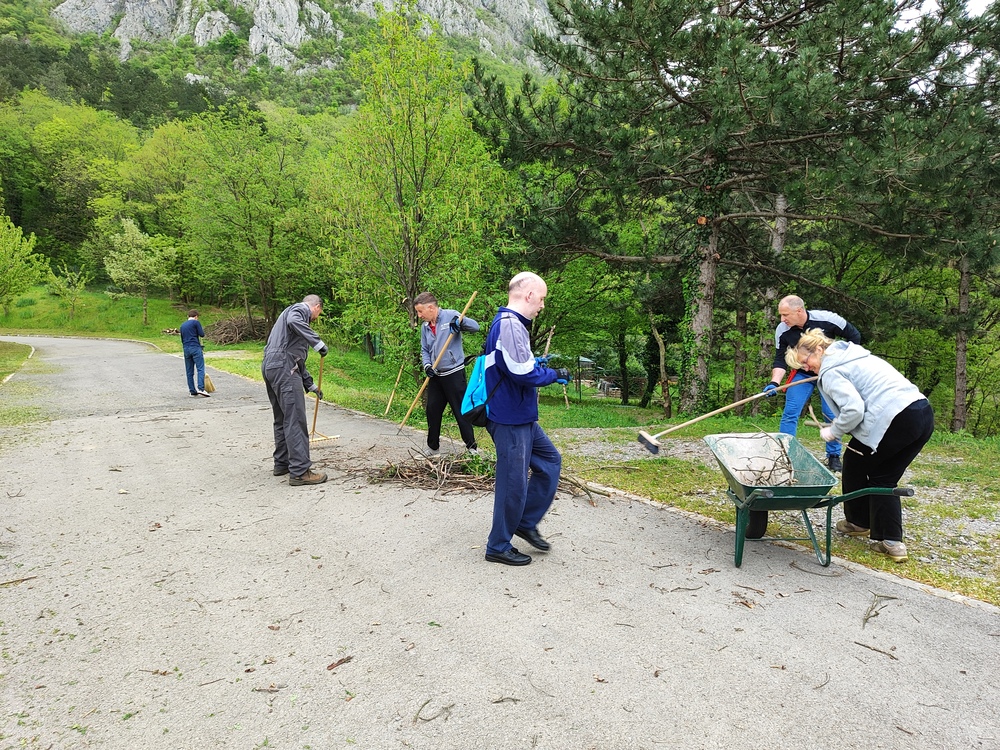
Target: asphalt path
159, 588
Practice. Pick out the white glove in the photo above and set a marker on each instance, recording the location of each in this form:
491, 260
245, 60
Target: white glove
827, 434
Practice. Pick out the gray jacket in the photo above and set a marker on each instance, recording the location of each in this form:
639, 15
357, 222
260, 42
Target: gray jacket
865, 392
289, 342
432, 342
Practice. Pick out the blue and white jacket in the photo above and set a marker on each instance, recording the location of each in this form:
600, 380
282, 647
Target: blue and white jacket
511, 364
832, 325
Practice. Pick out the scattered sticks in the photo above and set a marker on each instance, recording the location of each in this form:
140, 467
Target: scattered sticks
448, 473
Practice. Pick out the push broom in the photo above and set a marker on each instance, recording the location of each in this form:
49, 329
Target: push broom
652, 444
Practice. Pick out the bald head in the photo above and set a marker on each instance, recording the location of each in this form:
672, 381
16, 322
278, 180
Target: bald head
792, 311
526, 294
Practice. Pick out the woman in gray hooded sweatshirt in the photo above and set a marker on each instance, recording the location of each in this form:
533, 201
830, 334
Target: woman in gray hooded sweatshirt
890, 421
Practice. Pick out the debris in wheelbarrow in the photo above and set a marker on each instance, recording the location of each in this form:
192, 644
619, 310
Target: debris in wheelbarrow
774, 471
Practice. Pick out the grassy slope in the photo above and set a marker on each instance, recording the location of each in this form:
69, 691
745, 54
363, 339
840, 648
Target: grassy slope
953, 523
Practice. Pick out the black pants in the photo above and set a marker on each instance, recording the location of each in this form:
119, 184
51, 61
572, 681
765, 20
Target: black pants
883, 514
442, 390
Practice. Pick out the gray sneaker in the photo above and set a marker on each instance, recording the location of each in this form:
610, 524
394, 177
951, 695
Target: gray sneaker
849, 529
310, 477
895, 550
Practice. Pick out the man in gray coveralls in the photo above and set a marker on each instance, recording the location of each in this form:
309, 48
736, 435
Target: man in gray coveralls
287, 380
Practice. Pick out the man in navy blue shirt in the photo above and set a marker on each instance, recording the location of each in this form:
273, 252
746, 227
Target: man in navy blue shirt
512, 376
194, 358
795, 320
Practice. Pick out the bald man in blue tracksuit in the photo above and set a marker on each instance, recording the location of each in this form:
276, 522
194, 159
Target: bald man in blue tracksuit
512, 377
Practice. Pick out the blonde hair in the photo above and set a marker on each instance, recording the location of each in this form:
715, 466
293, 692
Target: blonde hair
809, 342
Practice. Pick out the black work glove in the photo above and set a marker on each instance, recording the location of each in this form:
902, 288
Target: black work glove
317, 391
455, 325
323, 350
429, 371
563, 375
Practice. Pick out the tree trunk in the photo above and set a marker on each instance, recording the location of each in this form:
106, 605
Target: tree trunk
145, 309
960, 414
622, 365
696, 390
778, 234
740, 355
664, 385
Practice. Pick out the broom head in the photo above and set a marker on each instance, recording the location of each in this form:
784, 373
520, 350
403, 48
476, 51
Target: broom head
649, 442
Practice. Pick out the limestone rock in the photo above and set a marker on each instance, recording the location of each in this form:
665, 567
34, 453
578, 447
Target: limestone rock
281, 26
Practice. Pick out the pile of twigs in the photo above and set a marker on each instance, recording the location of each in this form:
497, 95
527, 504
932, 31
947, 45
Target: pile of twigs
773, 470
236, 330
446, 473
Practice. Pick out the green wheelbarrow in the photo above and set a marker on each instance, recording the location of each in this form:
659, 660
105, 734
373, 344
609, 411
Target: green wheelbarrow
774, 471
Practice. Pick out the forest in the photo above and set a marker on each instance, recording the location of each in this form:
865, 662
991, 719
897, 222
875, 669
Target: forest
677, 169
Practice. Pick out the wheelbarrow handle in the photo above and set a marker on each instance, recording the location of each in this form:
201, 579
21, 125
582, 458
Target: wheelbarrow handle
732, 406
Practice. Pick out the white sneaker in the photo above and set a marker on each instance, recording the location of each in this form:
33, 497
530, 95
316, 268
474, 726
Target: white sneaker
431, 451
472, 451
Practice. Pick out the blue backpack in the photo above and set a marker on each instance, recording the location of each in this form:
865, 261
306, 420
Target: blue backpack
474, 404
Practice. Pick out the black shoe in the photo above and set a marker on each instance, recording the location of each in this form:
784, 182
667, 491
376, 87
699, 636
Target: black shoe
280, 471
834, 463
533, 538
510, 557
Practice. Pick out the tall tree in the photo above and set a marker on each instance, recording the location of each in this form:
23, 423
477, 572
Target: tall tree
245, 187
411, 195
139, 263
724, 116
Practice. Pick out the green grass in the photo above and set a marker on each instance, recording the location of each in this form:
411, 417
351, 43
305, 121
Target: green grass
12, 356
952, 523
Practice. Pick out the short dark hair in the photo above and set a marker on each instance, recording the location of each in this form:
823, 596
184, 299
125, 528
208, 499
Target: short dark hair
192, 313
425, 298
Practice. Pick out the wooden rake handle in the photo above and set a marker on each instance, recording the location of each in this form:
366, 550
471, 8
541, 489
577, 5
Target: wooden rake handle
732, 406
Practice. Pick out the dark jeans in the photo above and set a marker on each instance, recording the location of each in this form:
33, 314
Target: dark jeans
194, 360
521, 501
907, 434
447, 390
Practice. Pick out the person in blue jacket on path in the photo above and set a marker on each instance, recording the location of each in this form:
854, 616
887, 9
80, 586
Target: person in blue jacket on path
513, 375
194, 358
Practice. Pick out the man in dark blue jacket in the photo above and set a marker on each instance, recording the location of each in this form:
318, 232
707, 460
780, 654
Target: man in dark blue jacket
194, 358
512, 377
795, 320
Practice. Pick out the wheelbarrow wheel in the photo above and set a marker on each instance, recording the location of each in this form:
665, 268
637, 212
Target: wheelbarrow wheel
757, 526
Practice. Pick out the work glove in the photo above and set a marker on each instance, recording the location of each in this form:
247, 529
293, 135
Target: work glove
318, 392
827, 434
562, 376
429, 371
543, 361
771, 389
455, 325
323, 350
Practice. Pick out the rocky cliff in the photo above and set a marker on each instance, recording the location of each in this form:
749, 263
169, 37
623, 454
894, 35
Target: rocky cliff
278, 27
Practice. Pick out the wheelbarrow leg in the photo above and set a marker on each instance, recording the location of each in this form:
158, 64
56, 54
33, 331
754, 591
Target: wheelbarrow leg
742, 521
812, 537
